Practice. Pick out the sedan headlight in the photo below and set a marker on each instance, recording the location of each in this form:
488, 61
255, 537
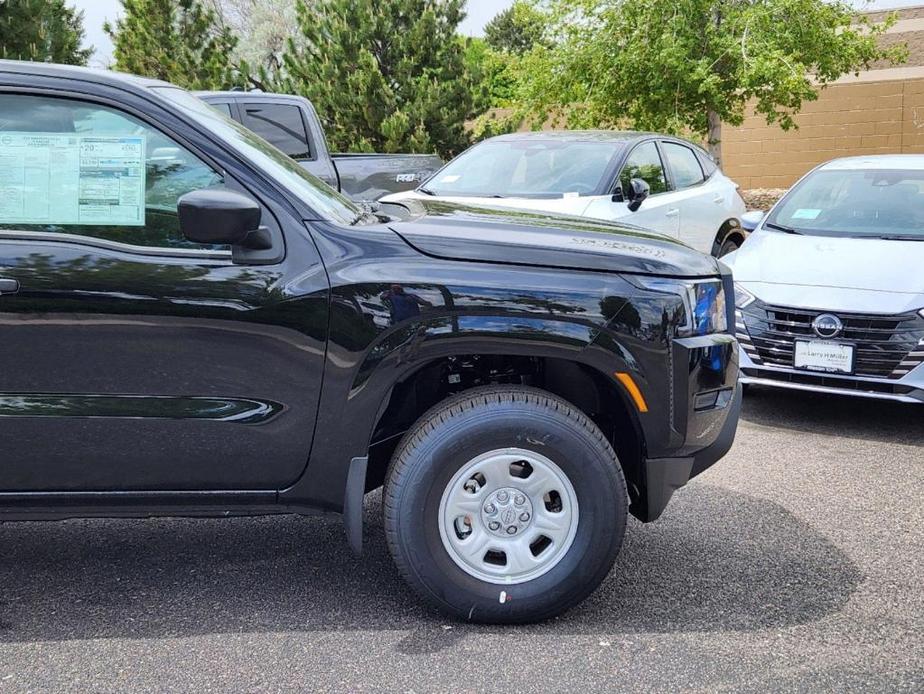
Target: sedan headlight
743, 298
703, 302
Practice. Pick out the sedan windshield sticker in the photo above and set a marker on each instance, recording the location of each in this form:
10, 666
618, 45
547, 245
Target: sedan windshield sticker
805, 213
65, 178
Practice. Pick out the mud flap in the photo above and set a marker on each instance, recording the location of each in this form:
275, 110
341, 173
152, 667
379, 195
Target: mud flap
353, 504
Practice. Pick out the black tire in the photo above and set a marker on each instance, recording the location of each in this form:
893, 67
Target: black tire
485, 419
728, 246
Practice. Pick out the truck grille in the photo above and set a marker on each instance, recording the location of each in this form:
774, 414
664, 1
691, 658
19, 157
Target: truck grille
886, 346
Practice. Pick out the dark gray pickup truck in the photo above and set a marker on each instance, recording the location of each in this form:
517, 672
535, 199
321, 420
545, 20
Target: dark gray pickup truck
292, 124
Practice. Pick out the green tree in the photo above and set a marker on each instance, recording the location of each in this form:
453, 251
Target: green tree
42, 30
497, 59
494, 71
687, 66
180, 41
516, 29
385, 75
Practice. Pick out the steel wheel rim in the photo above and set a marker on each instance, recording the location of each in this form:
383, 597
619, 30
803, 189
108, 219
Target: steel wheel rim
503, 489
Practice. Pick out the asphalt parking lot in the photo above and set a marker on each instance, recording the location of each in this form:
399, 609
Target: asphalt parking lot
796, 563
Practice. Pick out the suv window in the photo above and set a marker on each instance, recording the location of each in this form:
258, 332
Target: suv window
281, 125
707, 162
645, 163
73, 167
685, 167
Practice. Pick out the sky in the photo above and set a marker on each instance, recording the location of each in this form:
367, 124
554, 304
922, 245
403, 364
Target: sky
480, 13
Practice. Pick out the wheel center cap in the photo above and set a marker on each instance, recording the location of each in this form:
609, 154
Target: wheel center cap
507, 512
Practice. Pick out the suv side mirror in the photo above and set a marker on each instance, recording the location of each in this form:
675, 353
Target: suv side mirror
638, 192
218, 216
751, 219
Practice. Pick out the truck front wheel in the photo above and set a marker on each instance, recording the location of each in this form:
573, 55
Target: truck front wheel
504, 504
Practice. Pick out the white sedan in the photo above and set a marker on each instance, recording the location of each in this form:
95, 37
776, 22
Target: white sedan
829, 291
655, 181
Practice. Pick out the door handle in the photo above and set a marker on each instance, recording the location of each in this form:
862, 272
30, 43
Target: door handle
718, 199
9, 286
672, 213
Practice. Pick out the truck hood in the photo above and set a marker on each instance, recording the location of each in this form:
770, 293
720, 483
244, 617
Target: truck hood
471, 232
834, 273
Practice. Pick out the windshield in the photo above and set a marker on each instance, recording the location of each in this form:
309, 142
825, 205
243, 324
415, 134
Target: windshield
865, 203
323, 199
526, 168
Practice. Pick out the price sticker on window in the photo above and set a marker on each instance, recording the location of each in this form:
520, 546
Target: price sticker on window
66, 178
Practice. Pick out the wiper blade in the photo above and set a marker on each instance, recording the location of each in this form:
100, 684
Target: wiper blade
784, 229
364, 217
425, 191
898, 237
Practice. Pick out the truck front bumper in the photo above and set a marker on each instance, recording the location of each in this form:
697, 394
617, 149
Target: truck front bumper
706, 401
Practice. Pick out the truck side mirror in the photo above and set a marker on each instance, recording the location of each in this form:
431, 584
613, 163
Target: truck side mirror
218, 216
751, 219
639, 191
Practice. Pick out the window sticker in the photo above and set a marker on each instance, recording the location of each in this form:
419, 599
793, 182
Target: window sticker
64, 178
449, 179
805, 213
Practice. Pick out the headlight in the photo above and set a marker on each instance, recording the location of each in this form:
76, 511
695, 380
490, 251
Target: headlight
703, 302
743, 298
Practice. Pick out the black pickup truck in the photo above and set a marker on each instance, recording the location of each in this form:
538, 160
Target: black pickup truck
519, 383
291, 123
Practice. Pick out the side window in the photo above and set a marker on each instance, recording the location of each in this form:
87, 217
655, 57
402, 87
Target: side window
280, 125
644, 162
707, 162
684, 165
224, 107
72, 167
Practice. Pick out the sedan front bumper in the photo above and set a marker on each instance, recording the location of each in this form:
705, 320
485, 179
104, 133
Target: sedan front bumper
909, 389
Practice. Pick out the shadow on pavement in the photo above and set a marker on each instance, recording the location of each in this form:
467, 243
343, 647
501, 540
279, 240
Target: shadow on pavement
851, 417
716, 560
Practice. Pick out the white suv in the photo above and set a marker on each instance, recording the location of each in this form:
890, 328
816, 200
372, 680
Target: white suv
654, 181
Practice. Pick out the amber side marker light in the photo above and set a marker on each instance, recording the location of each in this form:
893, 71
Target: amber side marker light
633, 390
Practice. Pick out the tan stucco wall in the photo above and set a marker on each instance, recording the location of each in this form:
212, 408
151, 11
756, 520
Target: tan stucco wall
853, 118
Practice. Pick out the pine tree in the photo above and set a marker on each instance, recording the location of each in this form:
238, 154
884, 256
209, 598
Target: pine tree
385, 75
180, 41
42, 30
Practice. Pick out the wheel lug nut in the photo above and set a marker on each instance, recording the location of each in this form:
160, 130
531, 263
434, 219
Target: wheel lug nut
511, 530
519, 499
524, 516
493, 525
502, 497
490, 508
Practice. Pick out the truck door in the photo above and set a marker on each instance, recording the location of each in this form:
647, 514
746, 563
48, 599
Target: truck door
131, 358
